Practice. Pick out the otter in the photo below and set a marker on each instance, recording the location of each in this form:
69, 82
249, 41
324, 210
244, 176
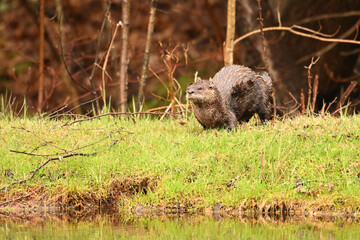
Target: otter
233, 96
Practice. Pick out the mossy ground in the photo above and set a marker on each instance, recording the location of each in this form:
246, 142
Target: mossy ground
305, 159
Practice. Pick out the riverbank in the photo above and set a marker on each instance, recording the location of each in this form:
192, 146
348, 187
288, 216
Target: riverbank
305, 162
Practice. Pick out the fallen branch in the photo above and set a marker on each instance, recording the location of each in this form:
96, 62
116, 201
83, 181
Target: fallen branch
49, 143
112, 114
59, 158
70, 151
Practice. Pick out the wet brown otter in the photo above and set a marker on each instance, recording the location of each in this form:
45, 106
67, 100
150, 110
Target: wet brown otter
234, 95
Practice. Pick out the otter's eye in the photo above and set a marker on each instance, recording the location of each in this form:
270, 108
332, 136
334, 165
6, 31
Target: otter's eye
199, 88
210, 87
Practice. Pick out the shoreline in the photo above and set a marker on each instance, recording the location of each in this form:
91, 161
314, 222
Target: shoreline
306, 162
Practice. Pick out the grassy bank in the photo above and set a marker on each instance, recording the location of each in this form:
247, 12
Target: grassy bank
306, 160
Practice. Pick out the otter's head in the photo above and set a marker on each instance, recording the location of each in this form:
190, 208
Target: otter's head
202, 91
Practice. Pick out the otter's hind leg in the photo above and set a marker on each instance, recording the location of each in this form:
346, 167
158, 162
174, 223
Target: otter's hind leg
242, 100
264, 111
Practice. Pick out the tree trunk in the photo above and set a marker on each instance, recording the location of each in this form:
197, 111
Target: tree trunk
124, 56
41, 57
150, 32
230, 33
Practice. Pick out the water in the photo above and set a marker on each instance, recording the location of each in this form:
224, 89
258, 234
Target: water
115, 226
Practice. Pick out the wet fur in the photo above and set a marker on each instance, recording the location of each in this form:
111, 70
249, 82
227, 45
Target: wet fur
234, 95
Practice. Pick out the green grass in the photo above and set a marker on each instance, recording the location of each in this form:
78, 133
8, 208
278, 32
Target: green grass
305, 159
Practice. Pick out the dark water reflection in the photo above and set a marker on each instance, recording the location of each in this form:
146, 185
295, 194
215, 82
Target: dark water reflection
117, 226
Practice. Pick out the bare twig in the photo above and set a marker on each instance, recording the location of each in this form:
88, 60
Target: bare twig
107, 57
34, 15
67, 151
293, 30
113, 114
145, 67
315, 92
328, 16
53, 85
124, 60
47, 142
346, 94
230, 33
334, 43
278, 12
333, 78
328, 107
261, 23
171, 60
55, 114
58, 158
309, 78
336, 112
63, 59
91, 78
302, 101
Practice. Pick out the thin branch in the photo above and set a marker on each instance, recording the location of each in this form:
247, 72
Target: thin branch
328, 16
261, 23
63, 59
59, 158
113, 114
67, 151
49, 143
107, 57
145, 67
332, 45
292, 30
315, 91
328, 107
91, 78
309, 77
346, 95
34, 15
55, 114
278, 12
52, 89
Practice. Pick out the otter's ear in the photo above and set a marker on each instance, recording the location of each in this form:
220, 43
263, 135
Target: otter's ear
210, 79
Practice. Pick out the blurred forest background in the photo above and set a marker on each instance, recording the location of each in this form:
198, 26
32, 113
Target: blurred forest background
85, 53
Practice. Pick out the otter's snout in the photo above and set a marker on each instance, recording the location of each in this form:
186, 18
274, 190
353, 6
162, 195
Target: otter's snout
190, 92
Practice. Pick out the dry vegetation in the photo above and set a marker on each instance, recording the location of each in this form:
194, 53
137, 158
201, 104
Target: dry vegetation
73, 55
